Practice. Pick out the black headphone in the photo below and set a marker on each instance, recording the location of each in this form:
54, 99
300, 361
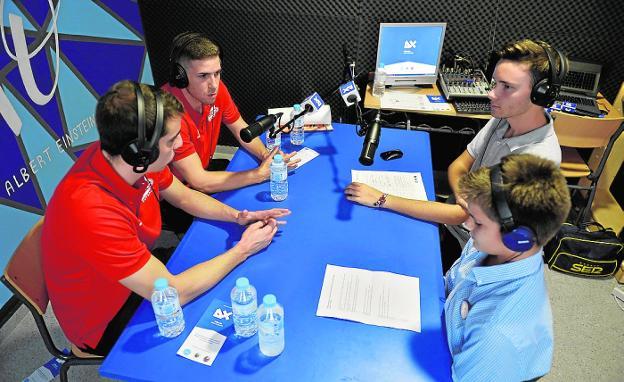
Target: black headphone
516, 238
140, 153
177, 74
546, 90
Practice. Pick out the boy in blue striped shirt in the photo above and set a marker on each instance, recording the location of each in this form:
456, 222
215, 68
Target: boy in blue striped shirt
498, 317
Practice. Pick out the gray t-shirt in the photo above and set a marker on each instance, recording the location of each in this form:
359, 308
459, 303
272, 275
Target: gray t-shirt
490, 145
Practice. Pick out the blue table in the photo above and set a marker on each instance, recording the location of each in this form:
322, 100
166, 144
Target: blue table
324, 228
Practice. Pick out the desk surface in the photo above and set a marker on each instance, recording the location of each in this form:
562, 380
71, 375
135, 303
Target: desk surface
373, 102
324, 228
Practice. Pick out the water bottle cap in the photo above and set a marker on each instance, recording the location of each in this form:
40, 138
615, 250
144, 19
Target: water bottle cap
278, 158
161, 283
297, 107
242, 283
269, 300
381, 65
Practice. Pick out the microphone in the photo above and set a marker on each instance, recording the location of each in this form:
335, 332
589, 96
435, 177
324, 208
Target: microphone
312, 103
371, 141
309, 105
260, 126
349, 93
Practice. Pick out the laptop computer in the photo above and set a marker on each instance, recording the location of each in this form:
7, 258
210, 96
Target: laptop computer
410, 52
580, 87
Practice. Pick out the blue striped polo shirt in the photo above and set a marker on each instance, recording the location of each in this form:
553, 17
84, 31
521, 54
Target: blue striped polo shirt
498, 318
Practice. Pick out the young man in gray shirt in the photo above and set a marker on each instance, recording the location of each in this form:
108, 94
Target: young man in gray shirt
519, 125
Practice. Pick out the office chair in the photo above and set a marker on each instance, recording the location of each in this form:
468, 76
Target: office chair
619, 99
23, 276
606, 209
579, 132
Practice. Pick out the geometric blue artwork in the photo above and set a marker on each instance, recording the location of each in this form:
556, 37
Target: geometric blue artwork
45, 127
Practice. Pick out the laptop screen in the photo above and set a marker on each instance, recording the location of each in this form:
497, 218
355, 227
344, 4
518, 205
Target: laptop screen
410, 52
583, 78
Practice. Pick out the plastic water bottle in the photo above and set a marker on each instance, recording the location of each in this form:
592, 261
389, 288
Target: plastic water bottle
166, 304
379, 85
244, 308
273, 142
271, 326
296, 133
279, 178
48, 371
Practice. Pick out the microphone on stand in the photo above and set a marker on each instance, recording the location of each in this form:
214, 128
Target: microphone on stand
371, 141
349, 93
260, 126
312, 103
309, 105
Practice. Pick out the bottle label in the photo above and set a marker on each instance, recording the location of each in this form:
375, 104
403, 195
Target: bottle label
278, 176
244, 310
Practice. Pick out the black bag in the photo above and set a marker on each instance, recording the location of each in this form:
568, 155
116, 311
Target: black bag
583, 252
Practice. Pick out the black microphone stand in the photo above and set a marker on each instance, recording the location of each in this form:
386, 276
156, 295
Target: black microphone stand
272, 131
273, 134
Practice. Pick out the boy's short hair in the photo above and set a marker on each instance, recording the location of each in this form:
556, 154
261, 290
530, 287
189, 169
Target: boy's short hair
535, 189
531, 53
116, 114
195, 46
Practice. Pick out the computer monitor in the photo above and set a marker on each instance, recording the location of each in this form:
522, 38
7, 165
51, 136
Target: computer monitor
410, 52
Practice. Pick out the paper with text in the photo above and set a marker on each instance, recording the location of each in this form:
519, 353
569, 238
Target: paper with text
206, 339
306, 154
372, 297
404, 184
398, 99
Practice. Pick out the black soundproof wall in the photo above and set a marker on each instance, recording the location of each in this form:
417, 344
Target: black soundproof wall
278, 52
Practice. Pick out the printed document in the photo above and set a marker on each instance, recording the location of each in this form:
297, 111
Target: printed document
402, 100
404, 184
372, 297
208, 336
306, 154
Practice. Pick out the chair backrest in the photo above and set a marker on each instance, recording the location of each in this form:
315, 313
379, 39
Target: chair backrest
24, 271
619, 98
584, 132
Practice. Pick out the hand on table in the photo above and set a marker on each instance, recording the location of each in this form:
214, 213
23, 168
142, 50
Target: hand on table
257, 236
247, 217
362, 193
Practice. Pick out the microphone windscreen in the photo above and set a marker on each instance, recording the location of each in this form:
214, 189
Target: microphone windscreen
371, 141
246, 135
313, 103
257, 128
349, 93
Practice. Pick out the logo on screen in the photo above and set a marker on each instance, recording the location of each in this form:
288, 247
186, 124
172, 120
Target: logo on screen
409, 44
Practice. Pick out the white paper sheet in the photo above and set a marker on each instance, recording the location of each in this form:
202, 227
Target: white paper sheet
318, 120
205, 340
306, 154
401, 100
371, 297
404, 184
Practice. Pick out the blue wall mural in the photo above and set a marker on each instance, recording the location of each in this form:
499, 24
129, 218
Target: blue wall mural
57, 57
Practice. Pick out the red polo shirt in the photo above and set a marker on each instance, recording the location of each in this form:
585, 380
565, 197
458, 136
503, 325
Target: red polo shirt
200, 132
97, 231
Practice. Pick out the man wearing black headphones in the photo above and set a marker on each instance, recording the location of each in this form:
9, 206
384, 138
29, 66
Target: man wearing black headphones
526, 79
104, 217
195, 80
497, 313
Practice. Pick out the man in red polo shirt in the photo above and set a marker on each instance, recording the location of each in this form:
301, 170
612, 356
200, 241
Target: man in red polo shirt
195, 80
104, 216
